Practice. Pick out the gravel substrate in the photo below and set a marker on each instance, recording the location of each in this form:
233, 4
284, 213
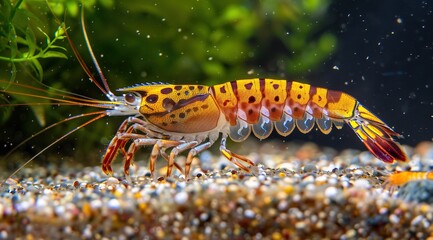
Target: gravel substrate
296, 192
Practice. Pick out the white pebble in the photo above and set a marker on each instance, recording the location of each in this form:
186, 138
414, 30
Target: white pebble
310, 187
95, 204
129, 231
249, 213
111, 181
60, 210
332, 180
181, 198
394, 219
87, 232
4, 234
41, 203
252, 183
362, 183
331, 192
358, 172
282, 205
113, 204
416, 220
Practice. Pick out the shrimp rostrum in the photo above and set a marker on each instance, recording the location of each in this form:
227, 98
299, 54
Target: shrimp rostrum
192, 118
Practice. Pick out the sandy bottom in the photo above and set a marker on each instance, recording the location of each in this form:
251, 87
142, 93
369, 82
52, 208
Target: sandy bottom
295, 192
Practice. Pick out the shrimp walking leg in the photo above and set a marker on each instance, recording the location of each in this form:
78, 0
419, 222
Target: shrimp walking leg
233, 157
176, 151
194, 151
157, 145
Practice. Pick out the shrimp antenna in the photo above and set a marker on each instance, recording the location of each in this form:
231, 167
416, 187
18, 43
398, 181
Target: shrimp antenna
109, 93
101, 115
106, 90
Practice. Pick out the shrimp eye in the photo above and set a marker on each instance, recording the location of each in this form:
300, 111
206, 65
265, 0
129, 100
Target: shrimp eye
131, 98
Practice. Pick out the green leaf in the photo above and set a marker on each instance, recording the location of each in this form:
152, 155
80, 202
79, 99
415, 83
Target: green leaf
60, 33
46, 35
31, 42
13, 41
37, 68
55, 54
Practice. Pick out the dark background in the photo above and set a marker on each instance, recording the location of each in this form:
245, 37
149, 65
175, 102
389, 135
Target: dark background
386, 65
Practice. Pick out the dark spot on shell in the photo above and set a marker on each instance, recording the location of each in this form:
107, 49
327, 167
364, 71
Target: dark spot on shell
186, 93
205, 106
177, 87
295, 109
199, 87
251, 99
172, 115
275, 86
188, 110
226, 102
166, 90
168, 104
195, 109
276, 98
223, 89
174, 122
250, 111
300, 86
182, 115
320, 98
299, 96
273, 109
164, 124
191, 88
153, 98
248, 86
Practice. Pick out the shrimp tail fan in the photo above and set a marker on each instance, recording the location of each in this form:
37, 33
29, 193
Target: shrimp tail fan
376, 136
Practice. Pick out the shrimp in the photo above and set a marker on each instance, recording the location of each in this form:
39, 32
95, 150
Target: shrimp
192, 118
401, 178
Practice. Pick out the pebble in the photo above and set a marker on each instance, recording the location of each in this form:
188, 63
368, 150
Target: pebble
332, 193
330, 198
310, 168
181, 198
362, 183
249, 213
113, 204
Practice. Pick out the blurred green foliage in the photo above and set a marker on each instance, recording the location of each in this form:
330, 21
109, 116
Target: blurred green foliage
189, 41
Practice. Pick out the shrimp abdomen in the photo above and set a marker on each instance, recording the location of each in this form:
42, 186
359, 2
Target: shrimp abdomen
260, 105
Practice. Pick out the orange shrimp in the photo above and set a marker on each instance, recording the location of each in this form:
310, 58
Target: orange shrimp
193, 117
401, 178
